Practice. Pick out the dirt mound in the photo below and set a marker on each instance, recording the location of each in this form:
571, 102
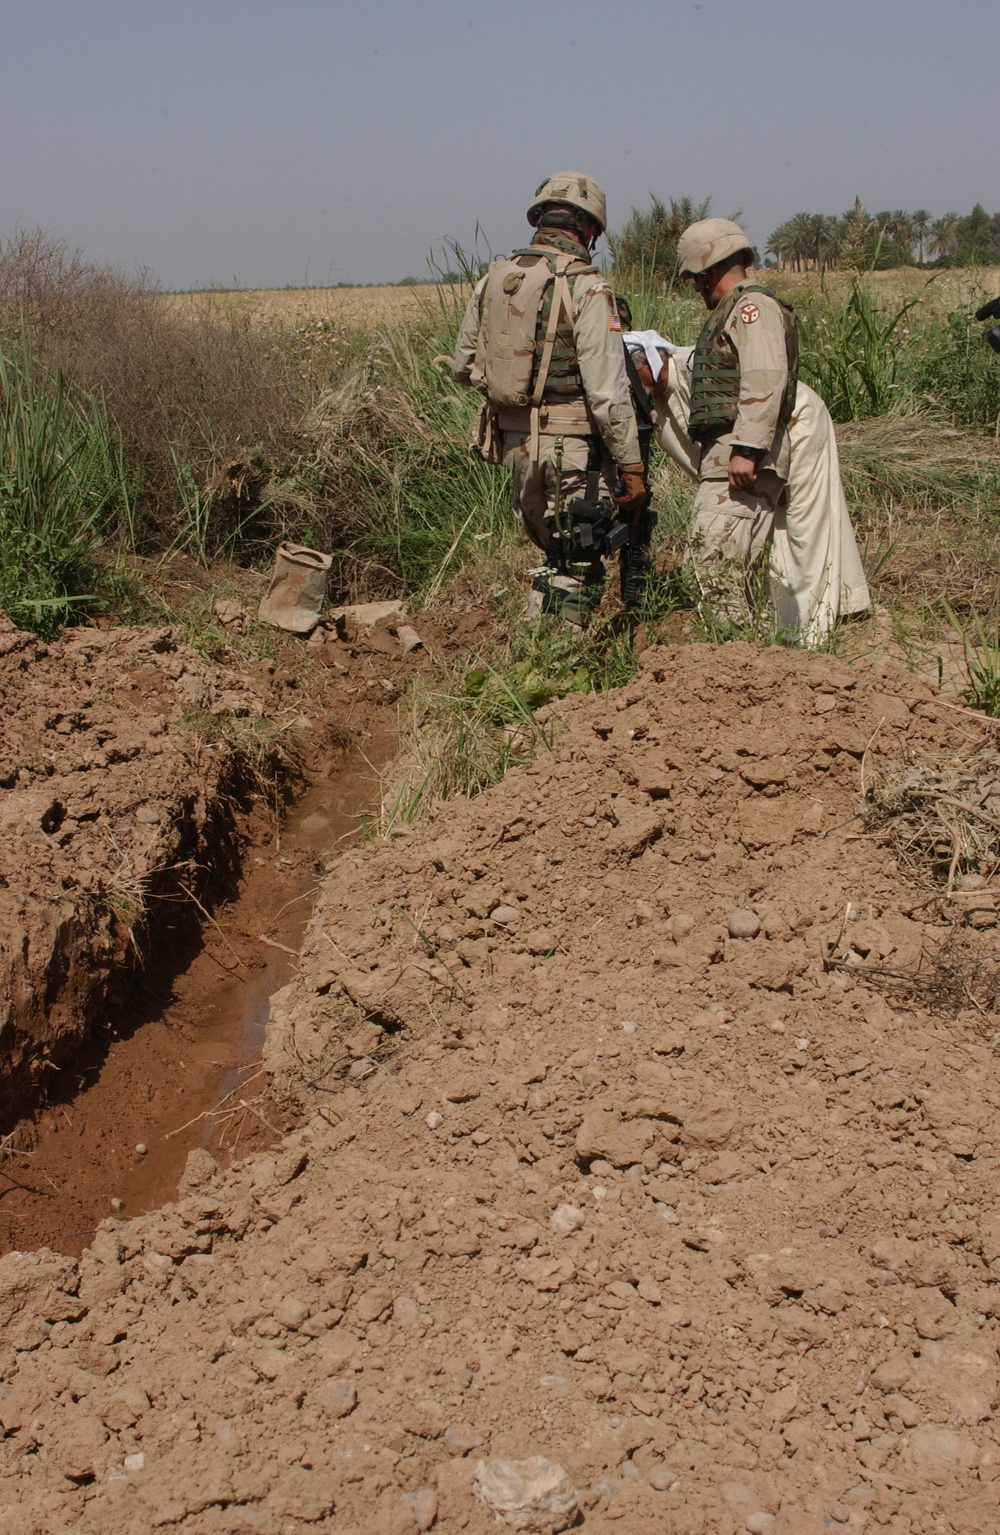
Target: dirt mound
602, 1165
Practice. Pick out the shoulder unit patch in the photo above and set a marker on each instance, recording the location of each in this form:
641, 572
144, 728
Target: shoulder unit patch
749, 312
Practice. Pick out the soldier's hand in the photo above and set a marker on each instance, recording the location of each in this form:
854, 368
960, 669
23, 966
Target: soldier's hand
634, 487
742, 472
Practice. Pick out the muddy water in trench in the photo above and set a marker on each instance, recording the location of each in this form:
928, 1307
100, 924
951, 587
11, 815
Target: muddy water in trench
192, 1041
225, 1074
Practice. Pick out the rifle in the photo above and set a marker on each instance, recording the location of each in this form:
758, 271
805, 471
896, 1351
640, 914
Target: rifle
635, 560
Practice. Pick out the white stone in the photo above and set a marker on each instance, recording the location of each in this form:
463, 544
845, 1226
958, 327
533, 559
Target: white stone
566, 1219
534, 1494
425, 1506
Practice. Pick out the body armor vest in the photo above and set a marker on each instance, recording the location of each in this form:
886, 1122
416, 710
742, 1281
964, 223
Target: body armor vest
525, 354
715, 369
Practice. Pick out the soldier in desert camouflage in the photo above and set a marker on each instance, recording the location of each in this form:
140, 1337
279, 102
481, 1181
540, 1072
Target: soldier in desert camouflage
541, 340
744, 375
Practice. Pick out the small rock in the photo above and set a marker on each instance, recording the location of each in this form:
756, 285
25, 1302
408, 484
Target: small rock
668, 1042
743, 924
533, 1494
758, 1522
644, 913
434, 1120
462, 1091
425, 1506
776, 1026
681, 926
338, 1398
405, 1311
360, 1069
141, 1149
148, 815
118, 1204
291, 1312
505, 916
228, 611
135, 1461
461, 1438
199, 1168
565, 1219
661, 1478
373, 1304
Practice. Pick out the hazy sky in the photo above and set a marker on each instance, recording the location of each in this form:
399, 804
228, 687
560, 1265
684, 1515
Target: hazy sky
272, 142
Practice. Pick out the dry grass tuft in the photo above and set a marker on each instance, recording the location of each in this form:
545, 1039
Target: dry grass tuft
942, 812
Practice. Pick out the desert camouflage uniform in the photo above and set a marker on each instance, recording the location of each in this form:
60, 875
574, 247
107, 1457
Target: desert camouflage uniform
732, 525
586, 410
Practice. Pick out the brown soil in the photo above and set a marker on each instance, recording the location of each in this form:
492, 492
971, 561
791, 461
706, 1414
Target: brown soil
137, 781
583, 1175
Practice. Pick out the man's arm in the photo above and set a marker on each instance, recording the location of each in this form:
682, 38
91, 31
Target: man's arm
758, 334
601, 360
468, 338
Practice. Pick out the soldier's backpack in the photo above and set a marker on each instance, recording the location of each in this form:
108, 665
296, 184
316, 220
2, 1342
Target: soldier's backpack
511, 359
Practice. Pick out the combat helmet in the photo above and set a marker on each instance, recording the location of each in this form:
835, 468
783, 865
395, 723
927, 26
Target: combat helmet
709, 241
579, 191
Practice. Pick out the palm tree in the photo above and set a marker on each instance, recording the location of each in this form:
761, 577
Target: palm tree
857, 231
921, 222
647, 241
944, 238
779, 244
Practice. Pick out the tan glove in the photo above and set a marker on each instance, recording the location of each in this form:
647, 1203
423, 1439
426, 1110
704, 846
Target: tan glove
635, 487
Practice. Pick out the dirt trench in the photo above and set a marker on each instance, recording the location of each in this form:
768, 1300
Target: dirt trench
601, 1160
153, 887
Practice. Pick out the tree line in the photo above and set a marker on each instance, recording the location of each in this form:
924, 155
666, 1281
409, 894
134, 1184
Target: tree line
646, 244
859, 239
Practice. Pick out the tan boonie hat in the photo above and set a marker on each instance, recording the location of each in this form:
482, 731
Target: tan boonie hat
579, 191
708, 241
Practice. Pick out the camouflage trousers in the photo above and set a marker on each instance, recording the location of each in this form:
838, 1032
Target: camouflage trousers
730, 531
535, 506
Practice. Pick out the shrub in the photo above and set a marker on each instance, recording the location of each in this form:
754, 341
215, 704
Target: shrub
194, 385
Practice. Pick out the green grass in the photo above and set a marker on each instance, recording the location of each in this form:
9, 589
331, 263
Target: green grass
66, 497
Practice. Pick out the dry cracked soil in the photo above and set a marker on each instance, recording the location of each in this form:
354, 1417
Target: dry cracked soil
617, 1145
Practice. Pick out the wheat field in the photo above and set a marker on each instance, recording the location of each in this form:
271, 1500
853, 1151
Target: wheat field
292, 308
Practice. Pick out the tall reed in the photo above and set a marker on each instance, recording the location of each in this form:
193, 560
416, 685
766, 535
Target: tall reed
65, 494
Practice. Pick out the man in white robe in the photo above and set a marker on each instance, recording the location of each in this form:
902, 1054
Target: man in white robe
815, 570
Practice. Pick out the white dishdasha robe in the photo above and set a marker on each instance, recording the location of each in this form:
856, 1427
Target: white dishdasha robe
815, 569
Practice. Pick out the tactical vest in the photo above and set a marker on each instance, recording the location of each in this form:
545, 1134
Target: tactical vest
526, 352
715, 369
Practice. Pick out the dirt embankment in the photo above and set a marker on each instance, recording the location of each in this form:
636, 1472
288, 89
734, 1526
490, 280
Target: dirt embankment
584, 1175
114, 796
